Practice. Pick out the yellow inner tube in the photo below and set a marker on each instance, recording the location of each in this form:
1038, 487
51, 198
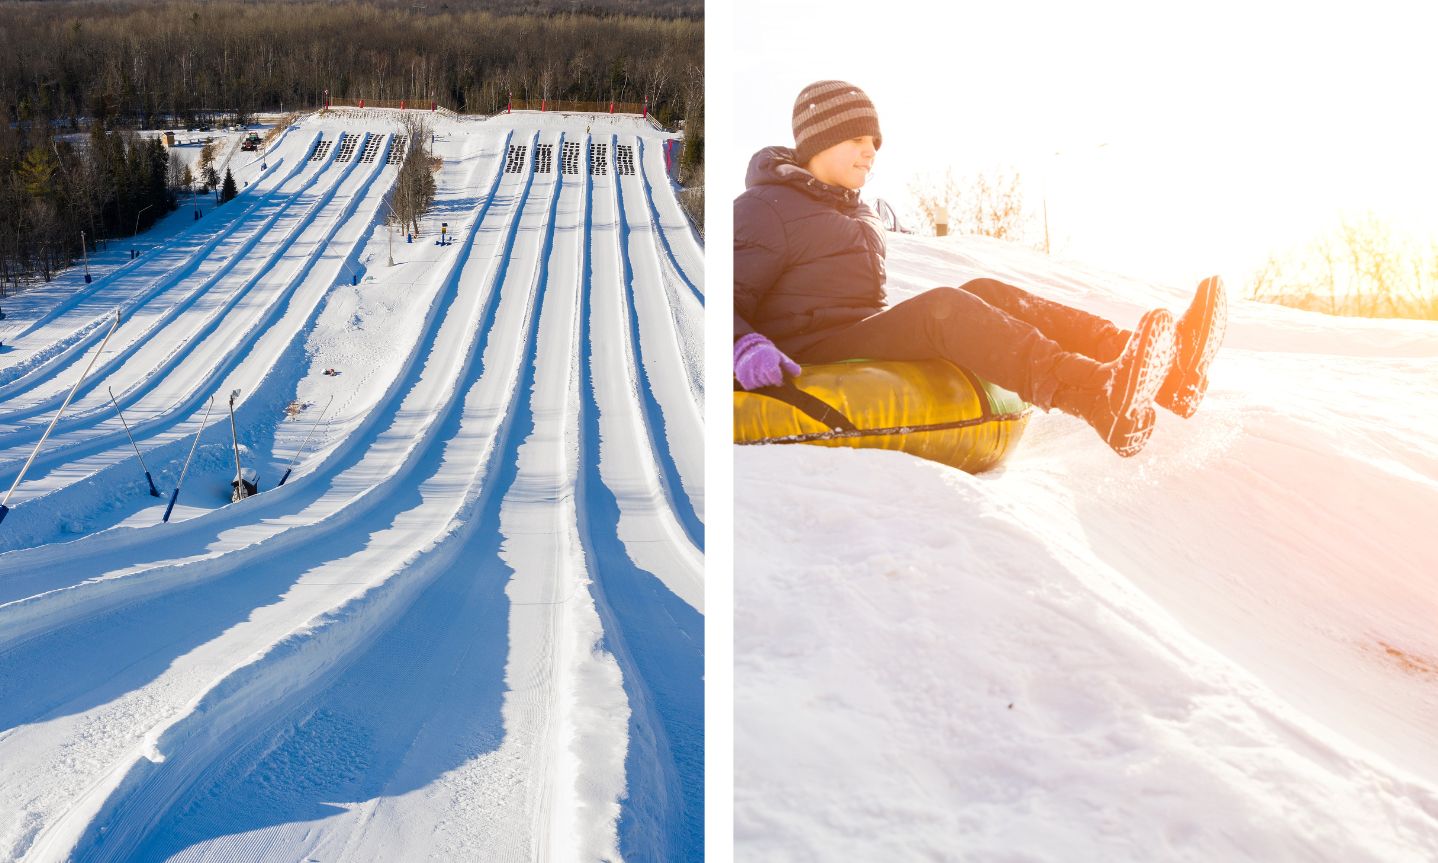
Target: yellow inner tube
928, 408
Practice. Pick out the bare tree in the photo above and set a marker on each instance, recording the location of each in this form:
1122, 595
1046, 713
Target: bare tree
1264, 285
989, 203
177, 172
1362, 267
414, 188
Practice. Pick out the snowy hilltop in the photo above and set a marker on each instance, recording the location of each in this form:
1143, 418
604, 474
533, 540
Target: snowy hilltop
1223, 648
469, 625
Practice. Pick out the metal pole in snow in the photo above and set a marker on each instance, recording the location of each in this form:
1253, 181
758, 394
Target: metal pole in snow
154, 492
86, 253
176, 494
240, 493
390, 224
137, 219
306, 444
4, 509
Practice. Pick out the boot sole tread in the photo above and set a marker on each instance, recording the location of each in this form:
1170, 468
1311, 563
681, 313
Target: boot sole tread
1155, 348
1185, 398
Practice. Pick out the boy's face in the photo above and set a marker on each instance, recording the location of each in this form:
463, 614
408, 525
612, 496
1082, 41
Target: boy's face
846, 164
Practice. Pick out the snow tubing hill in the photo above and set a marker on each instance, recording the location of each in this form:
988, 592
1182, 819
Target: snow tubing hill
928, 408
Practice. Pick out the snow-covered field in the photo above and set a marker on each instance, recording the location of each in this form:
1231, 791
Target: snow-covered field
470, 624
1225, 648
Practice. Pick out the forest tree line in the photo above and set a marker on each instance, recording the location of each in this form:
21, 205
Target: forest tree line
72, 69
1365, 266
170, 61
53, 192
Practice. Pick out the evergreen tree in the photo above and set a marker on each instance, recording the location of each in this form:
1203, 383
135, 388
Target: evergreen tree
228, 190
157, 190
36, 172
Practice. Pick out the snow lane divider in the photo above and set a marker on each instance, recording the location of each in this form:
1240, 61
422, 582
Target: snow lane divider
4, 505
291, 669
659, 226
164, 281
198, 533
662, 816
669, 478
203, 531
174, 276
630, 462
349, 453
666, 263
324, 196
162, 421
186, 346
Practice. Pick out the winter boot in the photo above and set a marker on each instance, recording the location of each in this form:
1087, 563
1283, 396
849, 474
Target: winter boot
1198, 334
1116, 398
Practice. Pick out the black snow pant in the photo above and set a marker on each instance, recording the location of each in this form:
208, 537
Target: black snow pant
999, 332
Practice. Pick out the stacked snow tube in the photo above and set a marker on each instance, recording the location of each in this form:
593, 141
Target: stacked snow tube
928, 408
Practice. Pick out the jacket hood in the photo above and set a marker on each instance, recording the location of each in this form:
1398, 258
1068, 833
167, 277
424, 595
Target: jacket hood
776, 166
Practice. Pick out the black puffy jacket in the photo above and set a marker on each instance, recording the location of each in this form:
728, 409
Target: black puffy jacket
808, 257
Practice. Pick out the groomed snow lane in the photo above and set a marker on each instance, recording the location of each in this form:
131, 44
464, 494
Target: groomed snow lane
425, 645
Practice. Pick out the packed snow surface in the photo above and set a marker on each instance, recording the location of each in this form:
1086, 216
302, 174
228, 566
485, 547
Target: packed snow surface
1224, 648
469, 625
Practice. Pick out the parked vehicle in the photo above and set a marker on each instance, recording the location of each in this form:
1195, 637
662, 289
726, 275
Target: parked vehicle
889, 217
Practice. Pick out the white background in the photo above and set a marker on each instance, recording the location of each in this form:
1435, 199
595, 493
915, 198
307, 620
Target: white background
1172, 141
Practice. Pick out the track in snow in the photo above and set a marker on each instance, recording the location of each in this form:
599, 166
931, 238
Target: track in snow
470, 624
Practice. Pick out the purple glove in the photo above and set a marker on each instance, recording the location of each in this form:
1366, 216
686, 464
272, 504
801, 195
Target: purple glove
757, 363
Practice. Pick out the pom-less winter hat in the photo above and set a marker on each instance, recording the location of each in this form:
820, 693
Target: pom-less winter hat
828, 112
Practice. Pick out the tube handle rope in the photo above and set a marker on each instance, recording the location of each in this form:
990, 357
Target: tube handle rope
808, 404
837, 434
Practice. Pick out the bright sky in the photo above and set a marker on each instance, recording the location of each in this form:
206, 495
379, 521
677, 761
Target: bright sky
1229, 130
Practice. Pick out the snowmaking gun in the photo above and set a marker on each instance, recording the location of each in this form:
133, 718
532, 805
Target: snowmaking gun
175, 495
245, 482
4, 504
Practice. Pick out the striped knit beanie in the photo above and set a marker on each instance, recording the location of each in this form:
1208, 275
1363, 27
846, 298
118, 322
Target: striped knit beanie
828, 112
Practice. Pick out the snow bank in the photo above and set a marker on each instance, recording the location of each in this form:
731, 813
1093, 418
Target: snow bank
1221, 649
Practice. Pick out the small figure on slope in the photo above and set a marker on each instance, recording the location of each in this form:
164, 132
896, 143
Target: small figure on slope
809, 286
